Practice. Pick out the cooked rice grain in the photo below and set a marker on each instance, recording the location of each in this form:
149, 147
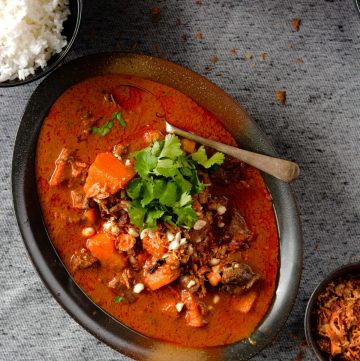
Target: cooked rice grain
30, 33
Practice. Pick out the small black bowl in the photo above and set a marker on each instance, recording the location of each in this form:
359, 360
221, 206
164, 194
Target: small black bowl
71, 28
309, 322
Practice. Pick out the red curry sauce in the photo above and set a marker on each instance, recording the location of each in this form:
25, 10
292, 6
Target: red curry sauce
65, 127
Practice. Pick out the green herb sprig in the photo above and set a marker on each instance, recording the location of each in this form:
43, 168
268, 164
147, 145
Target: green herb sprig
167, 179
105, 129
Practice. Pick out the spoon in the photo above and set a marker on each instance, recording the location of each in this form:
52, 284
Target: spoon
279, 168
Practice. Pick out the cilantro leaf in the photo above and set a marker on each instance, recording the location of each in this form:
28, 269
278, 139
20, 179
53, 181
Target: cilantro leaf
159, 187
148, 193
169, 196
105, 129
201, 158
182, 183
172, 147
117, 299
134, 188
152, 216
166, 168
145, 162
120, 118
186, 217
185, 199
137, 214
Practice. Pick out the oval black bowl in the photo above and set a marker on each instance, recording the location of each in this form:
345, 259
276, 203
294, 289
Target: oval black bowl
309, 325
71, 28
48, 263
357, 5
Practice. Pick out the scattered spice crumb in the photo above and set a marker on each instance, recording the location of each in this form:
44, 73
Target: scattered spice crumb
198, 2
135, 45
208, 69
280, 96
198, 35
184, 37
213, 59
296, 24
290, 46
293, 336
262, 56
299, 61
303, 344
155, 11
233, 52
248, 56
299, 356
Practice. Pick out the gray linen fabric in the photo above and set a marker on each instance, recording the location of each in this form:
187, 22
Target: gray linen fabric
318, 127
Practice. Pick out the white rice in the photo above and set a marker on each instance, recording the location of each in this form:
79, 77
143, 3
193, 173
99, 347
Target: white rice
30, 33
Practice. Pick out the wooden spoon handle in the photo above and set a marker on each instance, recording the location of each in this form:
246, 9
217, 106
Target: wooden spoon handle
279, 168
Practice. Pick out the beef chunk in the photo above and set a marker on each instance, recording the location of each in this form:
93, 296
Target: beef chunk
122, 283
229, 173
236, 278
83, 259
238, 231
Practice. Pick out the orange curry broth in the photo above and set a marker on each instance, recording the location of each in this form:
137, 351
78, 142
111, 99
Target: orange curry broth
64, 127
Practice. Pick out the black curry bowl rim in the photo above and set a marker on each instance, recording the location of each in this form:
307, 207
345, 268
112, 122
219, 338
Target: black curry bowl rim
49, 265
71, 29
357, 5
347, 269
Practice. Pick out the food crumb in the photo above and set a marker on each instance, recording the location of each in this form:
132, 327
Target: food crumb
262, 56
280, 96
303, 344
155, 10
296, 24
214, 59
198, 35
198, 2
248, 56
184, 37
299, 61
233, 52
299, 356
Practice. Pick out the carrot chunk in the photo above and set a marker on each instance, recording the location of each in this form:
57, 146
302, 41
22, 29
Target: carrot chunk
106, 176
156, 245
102, 247
188, 145
152, 135
161, 277
245, 302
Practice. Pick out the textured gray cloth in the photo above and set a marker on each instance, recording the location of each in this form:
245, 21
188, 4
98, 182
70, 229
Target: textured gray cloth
318, 127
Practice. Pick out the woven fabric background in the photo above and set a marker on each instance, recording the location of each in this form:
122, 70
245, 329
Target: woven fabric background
318, 67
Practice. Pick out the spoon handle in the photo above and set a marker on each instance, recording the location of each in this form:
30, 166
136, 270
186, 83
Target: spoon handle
279, 168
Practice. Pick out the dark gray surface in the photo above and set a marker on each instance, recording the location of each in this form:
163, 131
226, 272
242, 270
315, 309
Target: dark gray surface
318, 127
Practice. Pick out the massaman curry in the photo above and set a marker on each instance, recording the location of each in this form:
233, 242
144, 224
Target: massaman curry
175, 240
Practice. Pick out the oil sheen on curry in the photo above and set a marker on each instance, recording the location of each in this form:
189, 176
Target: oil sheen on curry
175, 240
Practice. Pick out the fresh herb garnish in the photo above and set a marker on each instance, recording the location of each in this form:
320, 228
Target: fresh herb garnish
118, 116
201, 158
117, 299
105, 129
167, 179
